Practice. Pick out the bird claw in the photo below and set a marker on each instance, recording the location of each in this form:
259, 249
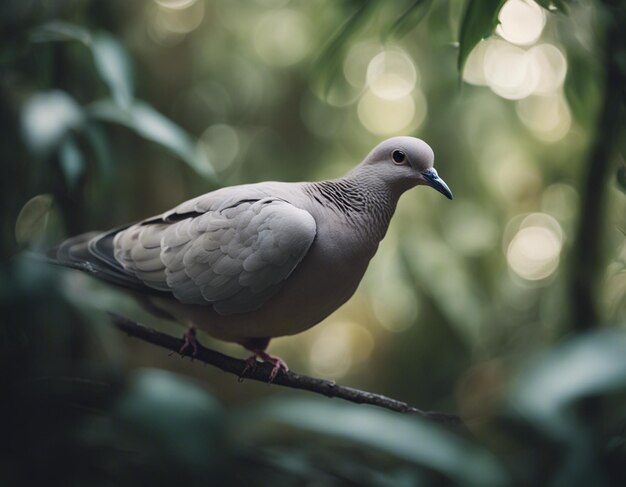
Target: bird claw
190, 341
278, 365
250, 365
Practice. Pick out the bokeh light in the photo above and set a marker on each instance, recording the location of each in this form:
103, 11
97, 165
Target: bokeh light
168, 22
514, 72
521, 21
181, 20
533, 253
391, 74
550, 65
548, 117
388, 117
473, 71
338, 346
392, 103
507, 70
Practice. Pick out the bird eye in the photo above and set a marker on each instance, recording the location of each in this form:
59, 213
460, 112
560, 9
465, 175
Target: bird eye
398, 156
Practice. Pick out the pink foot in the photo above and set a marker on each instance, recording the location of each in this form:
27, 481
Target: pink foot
190, 342
250, 365
278, 363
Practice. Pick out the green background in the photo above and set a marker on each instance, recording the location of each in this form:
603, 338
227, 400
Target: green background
504, 305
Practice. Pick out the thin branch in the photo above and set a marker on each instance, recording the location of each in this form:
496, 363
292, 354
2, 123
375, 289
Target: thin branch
287, 379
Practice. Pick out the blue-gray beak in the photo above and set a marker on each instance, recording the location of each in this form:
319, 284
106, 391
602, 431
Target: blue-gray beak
436, 182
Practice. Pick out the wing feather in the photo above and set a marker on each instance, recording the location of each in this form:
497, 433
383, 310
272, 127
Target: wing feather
231, 253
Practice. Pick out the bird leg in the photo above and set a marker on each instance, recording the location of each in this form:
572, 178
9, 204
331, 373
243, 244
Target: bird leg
257, 346
190, 341
277, 362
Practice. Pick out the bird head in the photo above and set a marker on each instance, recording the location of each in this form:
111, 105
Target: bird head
405, 162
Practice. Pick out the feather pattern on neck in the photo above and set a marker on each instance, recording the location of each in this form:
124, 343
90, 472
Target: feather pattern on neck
368, 209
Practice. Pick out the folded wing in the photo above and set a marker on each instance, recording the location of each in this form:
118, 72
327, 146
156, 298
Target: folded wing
234, 257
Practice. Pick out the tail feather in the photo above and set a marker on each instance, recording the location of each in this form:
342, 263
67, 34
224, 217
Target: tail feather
92, 252
73, 249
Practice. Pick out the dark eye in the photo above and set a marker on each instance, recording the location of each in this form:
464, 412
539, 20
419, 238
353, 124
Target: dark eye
398, 156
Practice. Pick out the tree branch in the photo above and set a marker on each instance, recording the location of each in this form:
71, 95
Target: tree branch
287, 379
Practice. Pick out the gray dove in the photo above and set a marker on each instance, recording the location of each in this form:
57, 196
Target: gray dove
251, 262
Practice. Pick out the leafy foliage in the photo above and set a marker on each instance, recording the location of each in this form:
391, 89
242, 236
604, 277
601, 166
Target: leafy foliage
479, 21
410, 18
151, 125
159, 427
113, 65
390, 434
582, 367
329, 61
109, 56
443, 322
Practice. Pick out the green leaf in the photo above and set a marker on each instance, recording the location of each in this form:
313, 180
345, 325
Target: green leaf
72, 162
328, 64
409, 19
113, 65
403, 437
176, 414
587, 365
153, 126
47, 117
582, 87
109, 55
32, 219
479, 21
60, 31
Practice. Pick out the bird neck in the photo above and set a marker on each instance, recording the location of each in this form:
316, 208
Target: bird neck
366, 206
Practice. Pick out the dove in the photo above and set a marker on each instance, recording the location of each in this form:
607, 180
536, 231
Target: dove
253, 262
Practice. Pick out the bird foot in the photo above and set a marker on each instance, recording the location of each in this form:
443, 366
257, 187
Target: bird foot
277, 362
190, 341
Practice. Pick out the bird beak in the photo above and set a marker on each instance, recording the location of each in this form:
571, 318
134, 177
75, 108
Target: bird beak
433, 180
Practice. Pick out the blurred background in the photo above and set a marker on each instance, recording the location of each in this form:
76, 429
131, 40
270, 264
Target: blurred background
505, 306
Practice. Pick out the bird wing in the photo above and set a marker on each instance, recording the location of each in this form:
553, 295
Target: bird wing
231, 252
